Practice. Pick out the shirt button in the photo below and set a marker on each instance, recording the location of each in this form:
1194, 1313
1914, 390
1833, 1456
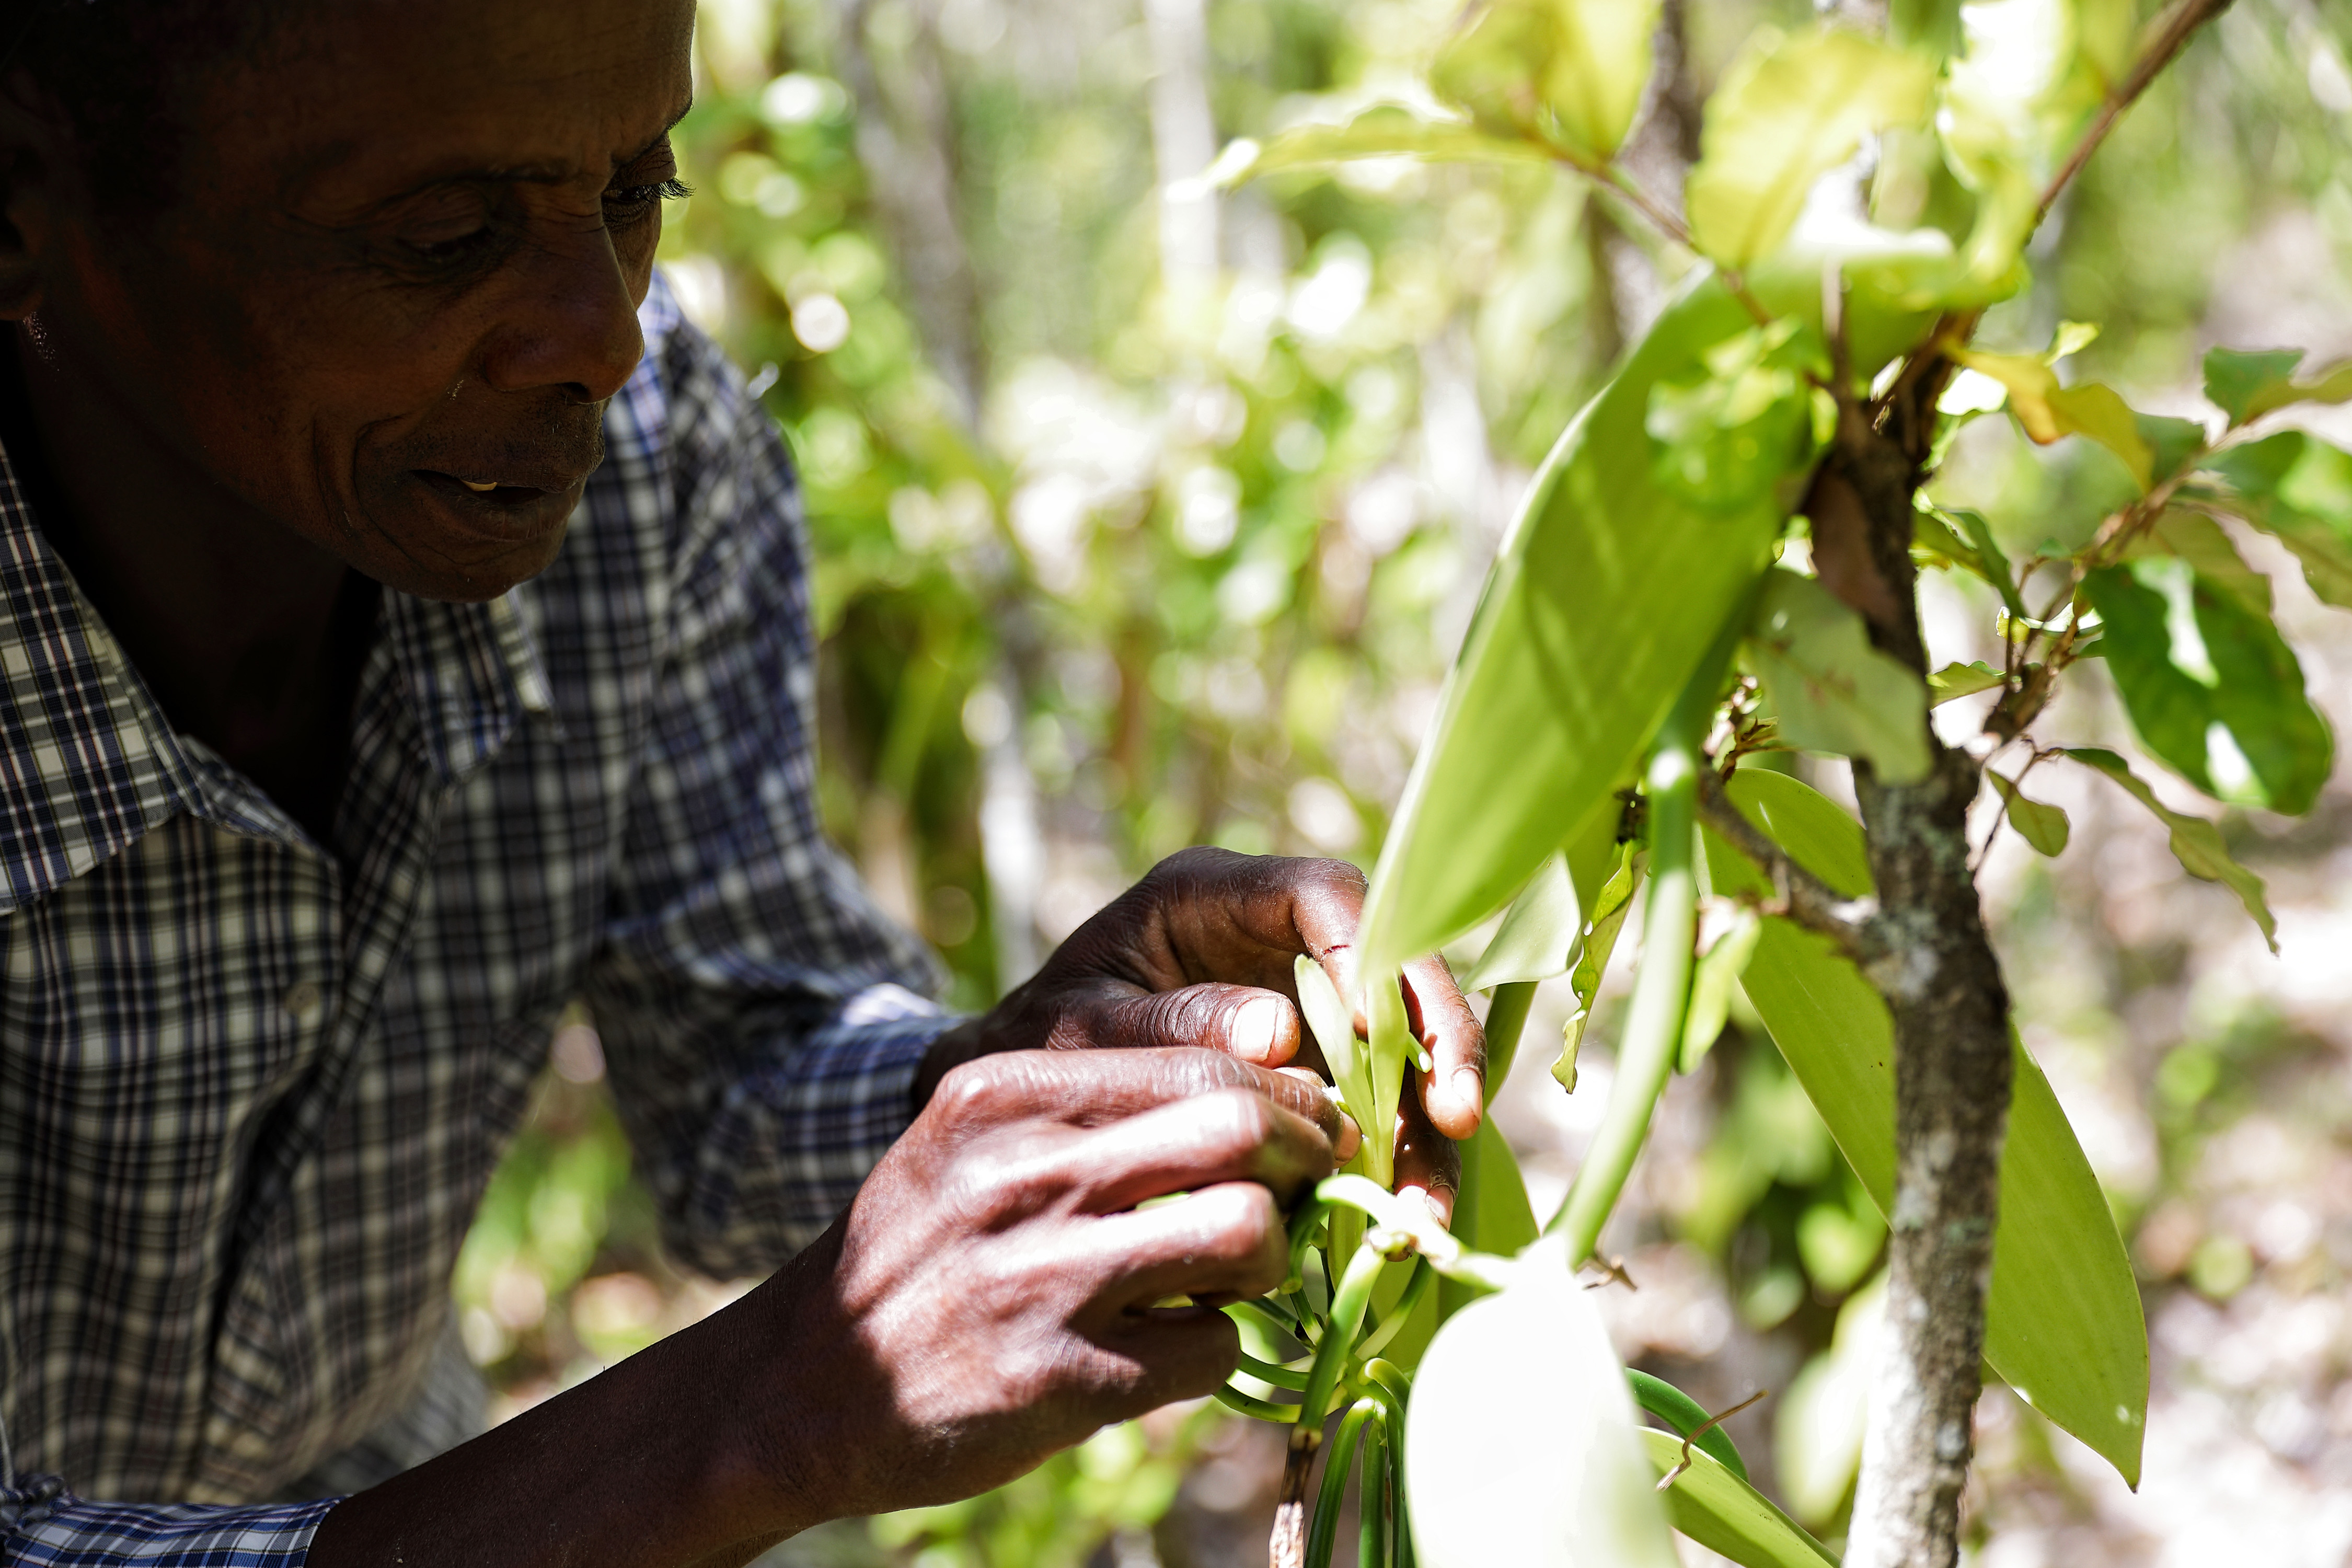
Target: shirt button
303, 1003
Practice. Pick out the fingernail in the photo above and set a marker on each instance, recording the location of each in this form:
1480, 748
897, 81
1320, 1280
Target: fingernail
1255, 1026
1470, 1089
1352, 1137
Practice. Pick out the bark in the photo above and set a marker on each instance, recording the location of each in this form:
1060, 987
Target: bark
1952, 1063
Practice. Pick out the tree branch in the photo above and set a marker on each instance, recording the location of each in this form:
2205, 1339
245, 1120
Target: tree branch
1798, 895
2167, 36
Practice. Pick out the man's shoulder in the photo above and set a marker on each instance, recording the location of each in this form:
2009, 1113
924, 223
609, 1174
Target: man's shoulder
687, 396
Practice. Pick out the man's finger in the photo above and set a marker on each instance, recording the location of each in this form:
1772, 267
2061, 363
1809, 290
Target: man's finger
1090, 1088
1223, 1243
1234, 1135
1244, 1022
1453, 1089
1426, 1160
1212, 914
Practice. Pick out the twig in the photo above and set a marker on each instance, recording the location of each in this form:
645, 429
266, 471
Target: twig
1701, 1430
1611, 1273
2167, 36
1798, 895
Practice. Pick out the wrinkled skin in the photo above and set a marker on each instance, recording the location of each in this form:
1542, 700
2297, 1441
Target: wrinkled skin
403, 249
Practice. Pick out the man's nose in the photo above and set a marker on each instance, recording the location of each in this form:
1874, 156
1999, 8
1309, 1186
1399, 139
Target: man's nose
572, 322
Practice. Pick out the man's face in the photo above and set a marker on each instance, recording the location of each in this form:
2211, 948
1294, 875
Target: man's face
401, 261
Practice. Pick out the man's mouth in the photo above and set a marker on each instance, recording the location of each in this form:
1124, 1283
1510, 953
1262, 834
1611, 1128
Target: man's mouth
499, 492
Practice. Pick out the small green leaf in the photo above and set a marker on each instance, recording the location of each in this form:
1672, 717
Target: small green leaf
1382, 131
1723, 1513
1955, 682
2042, 827
1609, 912
2196, 843
1520, 1443
1687, 1416
1569, 71
1714, 979
1790, 109
2248, 384
1390, 1046
1994, 562
2062, 1324
2297, 488
1538, 934
2210, 685
1334, 1026
1828, 689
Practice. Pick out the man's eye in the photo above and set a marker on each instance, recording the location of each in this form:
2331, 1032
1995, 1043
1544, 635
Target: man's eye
628, 203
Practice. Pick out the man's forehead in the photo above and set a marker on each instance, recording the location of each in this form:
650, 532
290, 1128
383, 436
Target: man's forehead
377, 98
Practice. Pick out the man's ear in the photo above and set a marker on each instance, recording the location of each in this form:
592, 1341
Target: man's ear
28, 145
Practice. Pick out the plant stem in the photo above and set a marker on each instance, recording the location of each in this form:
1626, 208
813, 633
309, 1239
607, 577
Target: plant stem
1341, 1325
1506, 1020
2165, 37
1322, 1533
1653, 1029
1372, 1500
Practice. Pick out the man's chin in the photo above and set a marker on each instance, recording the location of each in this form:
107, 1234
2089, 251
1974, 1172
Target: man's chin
462, 550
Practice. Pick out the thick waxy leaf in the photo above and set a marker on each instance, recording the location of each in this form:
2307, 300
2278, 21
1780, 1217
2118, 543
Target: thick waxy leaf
2297, 488
1727, 429
1829, 689
2043, 826
1333, 1024
2196, 843
1606, 593
2210, 685
2198, 540
1382, 131
2064, 1324
2048, 411
1538, 934
1955, 682
1570, 71
1726, 1515
1790, 108
1520, 1443
2248, 384
1491, 1211
1390, 1046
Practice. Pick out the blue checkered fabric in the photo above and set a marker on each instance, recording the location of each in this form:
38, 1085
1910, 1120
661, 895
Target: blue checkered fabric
252, 1086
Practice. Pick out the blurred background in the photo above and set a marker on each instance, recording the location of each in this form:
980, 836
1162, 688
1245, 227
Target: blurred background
1146, 517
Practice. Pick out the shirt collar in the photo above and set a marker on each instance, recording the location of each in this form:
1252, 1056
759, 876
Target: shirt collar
89, 762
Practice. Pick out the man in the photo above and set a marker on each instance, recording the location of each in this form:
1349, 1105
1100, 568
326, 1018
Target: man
403, 632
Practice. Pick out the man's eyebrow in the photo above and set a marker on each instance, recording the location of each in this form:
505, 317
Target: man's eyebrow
520, 174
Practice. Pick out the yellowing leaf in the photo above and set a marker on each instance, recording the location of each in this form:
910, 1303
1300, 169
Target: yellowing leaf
1790, 108
1609, 912
1955, 682
2042, 827
1723, 1513
1569, 71
1828, 689
2049, 411
2196, 843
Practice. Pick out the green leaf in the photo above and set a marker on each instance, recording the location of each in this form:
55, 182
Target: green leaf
1382, 131
1818, 1429
1727, 430
1955, 682
1828, 689
2042, 827
1390, 1046
1491, 1211
2248, 384
2049, 411
1520, 1443
1931, 26
2297, 488
2210, 685
1790, 108
1606, 593
1333, 1023
2198, 540
1609, 912
1538, 934
1570, 71
1687, 1417
2062, 1325
1713, 980
1992, 562
1726, 1515
2196, 843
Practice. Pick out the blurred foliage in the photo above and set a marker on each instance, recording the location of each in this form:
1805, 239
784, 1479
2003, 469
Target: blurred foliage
1116, 552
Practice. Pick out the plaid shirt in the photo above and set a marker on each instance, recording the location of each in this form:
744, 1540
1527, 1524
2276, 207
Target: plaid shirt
252, 1086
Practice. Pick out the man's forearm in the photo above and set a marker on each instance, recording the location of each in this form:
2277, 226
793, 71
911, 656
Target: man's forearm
699, 1452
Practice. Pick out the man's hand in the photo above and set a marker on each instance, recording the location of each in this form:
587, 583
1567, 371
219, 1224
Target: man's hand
995, 1294
1199, 953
